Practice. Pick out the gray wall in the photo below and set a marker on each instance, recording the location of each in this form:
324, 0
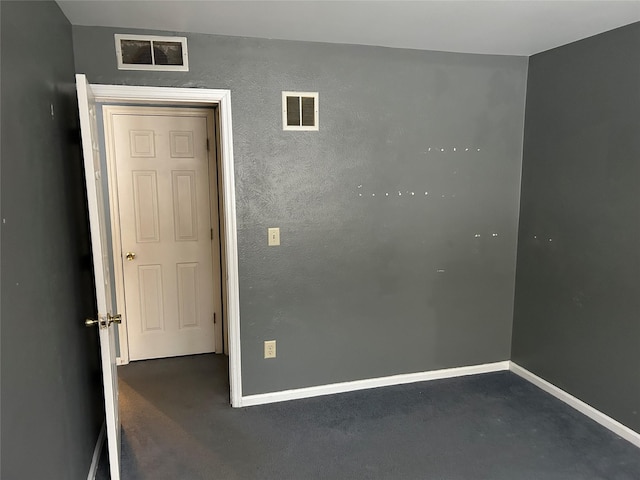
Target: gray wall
355, 291
577, 307
50, 372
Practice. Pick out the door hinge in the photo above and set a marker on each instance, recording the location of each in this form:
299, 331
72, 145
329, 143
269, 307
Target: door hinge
212, 234
214, 318
208, 145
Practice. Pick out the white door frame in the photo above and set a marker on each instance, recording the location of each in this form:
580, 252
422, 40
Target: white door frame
169, 96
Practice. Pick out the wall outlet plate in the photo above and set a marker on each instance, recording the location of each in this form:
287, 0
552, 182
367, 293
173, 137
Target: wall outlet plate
270, 349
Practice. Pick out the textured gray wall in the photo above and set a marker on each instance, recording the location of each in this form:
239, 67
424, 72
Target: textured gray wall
355, 291
577, 307
50, 372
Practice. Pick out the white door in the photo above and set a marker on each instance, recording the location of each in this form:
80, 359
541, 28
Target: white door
103, 279
168, 242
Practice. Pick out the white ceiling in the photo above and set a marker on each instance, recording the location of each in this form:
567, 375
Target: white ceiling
509, 27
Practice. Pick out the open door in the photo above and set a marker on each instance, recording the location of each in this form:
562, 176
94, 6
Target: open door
104, 284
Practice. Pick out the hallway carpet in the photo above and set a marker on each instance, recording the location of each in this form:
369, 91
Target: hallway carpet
177, 425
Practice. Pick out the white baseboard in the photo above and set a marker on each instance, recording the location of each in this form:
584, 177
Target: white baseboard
343, 387
95, 460
584, 408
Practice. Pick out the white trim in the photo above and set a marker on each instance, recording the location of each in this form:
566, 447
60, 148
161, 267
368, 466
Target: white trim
97, 451
584, 408
343, 387
160, 95
222, 98
231, 250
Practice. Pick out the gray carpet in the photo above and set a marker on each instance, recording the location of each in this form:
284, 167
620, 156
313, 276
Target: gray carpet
177, 425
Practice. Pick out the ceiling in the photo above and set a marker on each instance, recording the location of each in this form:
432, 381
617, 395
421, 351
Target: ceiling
513, 27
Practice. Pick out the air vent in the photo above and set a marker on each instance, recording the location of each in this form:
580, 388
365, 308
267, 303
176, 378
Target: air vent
300, 110
143, 52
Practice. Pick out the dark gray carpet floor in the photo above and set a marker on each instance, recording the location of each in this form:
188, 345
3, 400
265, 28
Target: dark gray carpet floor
177, 425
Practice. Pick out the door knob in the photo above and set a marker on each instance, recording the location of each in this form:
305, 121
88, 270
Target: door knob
130, 256
103, 322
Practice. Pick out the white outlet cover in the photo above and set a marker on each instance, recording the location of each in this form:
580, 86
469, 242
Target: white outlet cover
270, 349
274, 236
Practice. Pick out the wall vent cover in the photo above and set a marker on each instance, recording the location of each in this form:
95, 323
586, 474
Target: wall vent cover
144, 52
300, 111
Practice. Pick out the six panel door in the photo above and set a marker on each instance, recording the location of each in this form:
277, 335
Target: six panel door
162, 166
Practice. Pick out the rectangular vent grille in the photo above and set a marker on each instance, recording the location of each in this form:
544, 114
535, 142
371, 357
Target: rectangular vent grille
143, 52
300, 111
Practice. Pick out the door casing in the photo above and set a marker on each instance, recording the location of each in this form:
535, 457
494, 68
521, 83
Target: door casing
168, 96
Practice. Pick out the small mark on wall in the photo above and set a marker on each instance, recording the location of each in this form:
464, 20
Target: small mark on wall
407, 193
446, 149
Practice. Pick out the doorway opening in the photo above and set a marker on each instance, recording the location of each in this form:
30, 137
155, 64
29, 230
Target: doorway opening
162, 166
187, 103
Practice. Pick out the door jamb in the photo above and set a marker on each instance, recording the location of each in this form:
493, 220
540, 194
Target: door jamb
169, 96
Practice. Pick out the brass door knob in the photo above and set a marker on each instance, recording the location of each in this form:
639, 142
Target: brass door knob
130, 256
103, 322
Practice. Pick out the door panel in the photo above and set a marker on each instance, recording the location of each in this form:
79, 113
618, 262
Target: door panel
184, 205
145, 206
188, 300
164, 204
151, 305
104, 282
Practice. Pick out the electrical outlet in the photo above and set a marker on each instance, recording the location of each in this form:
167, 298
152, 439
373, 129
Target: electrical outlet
270, 349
